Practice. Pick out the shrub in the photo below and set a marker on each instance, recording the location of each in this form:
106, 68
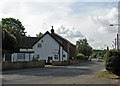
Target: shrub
94, 55
42, 60
86, 57
81, 56
35, 60
24, 61
106, 56
112, 64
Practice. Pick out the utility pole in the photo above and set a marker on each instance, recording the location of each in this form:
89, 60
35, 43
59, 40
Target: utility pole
117, 35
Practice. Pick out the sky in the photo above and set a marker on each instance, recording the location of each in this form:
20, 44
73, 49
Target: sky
72, 19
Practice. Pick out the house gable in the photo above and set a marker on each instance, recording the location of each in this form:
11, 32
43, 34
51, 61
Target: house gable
51, 36
49, 47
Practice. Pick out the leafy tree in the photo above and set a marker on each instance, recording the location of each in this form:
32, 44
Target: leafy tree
12, 32
83, 47
8, 40
39, 35
14, 27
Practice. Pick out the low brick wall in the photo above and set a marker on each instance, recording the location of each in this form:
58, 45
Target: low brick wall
64, 63
22, 65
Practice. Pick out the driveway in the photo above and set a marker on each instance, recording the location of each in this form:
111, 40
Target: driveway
83, 73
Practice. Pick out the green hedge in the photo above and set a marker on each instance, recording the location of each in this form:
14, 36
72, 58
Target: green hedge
82, 57
112, 62
35, 60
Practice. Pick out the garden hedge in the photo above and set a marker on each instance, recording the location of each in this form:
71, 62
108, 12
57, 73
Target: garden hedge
112, 62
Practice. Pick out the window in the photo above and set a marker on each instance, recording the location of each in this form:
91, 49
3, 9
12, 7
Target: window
55, 56
20, 56
39, 45
63, 55
37, 56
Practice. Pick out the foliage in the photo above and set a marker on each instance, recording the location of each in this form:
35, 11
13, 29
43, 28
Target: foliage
35, 60
12, 30
8, 40
106, 56
107, 75
113, 62
81, 56
94, 55
39, 35
99, 53
83, 47
24, 61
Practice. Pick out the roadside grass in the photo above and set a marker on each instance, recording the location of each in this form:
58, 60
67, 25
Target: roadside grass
107, 75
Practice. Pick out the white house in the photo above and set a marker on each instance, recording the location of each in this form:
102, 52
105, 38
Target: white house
50, 47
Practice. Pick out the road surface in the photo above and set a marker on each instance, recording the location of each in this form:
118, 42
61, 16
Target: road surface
83, 73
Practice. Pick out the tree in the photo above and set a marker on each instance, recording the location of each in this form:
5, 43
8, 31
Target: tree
39, 35
8, 40
14, 27
12, 32
83, 47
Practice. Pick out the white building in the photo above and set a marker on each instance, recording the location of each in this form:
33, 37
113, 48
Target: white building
50, 47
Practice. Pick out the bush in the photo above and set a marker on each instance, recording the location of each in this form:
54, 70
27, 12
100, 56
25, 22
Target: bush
106, 56
94, 55
24, 61
35, 60
112, 64
81, 56
86, 57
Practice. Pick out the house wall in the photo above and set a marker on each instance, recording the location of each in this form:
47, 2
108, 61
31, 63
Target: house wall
68, 47
49, 48
65, 43
65, 53
28, 57
72, 52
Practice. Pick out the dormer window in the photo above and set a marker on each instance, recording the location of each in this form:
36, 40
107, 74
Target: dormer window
39, 45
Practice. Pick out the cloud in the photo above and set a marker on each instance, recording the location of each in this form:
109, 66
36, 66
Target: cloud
69, 32
109, 16
88, 22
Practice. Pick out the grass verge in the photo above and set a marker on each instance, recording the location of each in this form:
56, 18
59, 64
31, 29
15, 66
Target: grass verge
107, 75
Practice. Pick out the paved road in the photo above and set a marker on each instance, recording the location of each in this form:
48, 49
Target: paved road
83, 73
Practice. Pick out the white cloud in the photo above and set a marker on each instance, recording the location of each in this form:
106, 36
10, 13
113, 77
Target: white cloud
69, 32
109, 16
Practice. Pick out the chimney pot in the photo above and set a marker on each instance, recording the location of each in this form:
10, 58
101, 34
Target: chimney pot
52, 30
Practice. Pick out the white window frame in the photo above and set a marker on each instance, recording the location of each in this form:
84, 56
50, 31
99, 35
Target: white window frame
21, 56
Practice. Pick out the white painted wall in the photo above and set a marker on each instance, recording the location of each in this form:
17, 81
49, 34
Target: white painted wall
48, 48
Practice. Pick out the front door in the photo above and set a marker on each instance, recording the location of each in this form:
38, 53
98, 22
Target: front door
49, 60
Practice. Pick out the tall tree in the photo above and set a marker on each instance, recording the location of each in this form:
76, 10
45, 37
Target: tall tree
8, 41
39, 35
14, 27
83, 47
13, 31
